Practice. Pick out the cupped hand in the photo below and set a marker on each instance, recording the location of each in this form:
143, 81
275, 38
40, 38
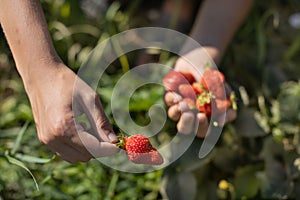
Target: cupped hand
56, 103
178, 110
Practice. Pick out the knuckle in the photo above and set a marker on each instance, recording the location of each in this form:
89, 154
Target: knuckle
61, 126
172, 98
102, 123
174, 113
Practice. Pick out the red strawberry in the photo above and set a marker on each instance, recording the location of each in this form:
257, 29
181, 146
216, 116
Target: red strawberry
198, 88
139, 150
187, 91
189, 77
173, 79
213, 80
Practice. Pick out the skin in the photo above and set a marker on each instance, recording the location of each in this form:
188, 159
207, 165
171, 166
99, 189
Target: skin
49, 83
215, 25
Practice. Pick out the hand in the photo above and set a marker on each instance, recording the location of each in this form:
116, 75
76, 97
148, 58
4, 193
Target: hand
54, 114
179, 110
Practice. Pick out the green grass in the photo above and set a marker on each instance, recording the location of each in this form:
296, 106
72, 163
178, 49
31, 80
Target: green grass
260, 148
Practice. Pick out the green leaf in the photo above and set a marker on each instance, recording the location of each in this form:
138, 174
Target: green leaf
19, 138
14, 161
112, 11
246, 184
293, 49
32, 159
112, 186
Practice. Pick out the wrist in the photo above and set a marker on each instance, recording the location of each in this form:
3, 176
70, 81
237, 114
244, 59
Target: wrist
214, 53
195, 60
38, 74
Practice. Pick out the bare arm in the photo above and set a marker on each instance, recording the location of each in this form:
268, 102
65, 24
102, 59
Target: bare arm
216, 23
26, 30
50, 87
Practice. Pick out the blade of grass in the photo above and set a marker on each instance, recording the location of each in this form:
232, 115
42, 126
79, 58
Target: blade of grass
112, 186
261, 35
33, 159
19, 138
293, 49
17, 162
123, 58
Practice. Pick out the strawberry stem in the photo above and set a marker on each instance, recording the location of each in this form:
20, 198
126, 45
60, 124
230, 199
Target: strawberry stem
122, 140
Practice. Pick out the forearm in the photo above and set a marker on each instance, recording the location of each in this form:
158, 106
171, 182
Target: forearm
27, 34
217, 22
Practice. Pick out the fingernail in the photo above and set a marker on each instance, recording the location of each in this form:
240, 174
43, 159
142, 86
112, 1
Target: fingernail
112, 137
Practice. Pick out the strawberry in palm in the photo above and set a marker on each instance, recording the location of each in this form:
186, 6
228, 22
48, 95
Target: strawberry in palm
139, 150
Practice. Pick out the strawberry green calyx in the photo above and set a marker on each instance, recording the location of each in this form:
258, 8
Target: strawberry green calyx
205, 98
122, 141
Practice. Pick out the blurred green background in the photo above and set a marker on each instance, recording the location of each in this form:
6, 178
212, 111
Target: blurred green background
257, 156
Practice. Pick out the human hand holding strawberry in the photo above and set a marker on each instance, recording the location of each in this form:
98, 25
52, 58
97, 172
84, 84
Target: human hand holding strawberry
194, 101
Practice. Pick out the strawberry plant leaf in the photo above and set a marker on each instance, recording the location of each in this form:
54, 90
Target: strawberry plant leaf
245, 182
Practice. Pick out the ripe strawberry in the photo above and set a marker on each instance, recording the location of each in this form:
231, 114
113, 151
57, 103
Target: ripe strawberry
189, 77
187, 91
139, 150
173, 79
198, 88
213, 81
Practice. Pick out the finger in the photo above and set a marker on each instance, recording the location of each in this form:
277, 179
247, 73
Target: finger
186, 123
103, 124
230, 115
71, 154
87, 143
174, 112
67, 152
96, 147
183, 106
100, 124
172, 98
202, 125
